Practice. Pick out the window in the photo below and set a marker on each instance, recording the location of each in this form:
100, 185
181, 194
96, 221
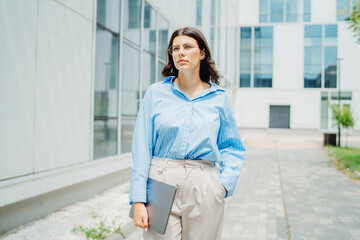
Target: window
263, 57
313, 56
132, 19
285, 11
330, 56
163, 37
149, 48
129, 95
276, 10
106, 79
245, 56
320, 56
260, 53
344, 8
198, 12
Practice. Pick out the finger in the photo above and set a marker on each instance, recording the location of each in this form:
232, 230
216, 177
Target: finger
145, 222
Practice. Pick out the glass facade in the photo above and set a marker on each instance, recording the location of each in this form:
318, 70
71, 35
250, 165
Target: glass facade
324, 110
313, 56
276, 11
132, 20
163, 37
343, 8
256, 56
330, 56
106, 80
263, 10
320, 56
263, 57
149, 48
198, 12
245, 56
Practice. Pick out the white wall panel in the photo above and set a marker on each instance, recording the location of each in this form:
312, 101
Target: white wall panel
248, 12
17, 91
84, 7
63, 87
349, 51
323, 11
252, 107
288, 56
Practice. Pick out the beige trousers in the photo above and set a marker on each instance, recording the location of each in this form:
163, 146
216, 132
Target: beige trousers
198, 208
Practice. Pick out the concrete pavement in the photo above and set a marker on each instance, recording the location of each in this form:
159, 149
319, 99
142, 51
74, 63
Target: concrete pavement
288, 190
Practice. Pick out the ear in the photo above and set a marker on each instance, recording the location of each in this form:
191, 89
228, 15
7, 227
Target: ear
202, 54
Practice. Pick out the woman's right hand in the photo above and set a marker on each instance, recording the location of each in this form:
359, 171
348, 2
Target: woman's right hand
141, 216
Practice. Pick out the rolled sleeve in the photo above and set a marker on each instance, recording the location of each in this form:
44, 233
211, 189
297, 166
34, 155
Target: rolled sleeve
141, 150
231, 148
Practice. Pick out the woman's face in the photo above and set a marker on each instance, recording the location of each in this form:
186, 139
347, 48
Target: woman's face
186, 54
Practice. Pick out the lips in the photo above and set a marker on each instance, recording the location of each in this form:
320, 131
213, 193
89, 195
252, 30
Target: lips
180, 61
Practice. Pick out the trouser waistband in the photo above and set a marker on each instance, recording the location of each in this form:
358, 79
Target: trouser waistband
188, 163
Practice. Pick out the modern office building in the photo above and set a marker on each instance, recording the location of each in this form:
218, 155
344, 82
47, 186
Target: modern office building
295, 56
73, 73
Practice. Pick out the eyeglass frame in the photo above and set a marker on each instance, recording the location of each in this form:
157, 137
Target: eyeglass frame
183, 46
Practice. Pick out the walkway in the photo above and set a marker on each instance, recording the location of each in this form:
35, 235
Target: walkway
287, 190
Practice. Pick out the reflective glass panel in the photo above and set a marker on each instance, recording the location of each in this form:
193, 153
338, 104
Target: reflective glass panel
263, 57
148, 71
129, 95
330, 67
324, 110
292, 10
276, 10
149, 29
108, 14
160, 68
106, 94
163, 37
263, 11
330, 56
307, 10
130, 81
127, 132
343, 9
132, 19
245, 56
198, 12
313, 56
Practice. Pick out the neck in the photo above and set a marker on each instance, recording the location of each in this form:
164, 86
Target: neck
189, 80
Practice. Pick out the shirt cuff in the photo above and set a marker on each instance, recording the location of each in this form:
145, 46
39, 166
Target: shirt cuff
138, 192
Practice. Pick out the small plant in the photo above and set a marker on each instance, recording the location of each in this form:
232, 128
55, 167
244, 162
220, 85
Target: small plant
344, 117
100, 230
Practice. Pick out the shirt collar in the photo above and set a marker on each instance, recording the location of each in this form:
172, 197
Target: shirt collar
214, 87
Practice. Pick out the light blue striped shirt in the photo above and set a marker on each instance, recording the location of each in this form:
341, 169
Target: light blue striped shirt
169, 125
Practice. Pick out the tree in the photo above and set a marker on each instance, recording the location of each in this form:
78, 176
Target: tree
344, 117
347, 120
354, 20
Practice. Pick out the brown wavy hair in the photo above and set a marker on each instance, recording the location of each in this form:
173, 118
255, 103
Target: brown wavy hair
208, 71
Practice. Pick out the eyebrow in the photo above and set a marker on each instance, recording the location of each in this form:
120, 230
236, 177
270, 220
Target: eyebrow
184, 44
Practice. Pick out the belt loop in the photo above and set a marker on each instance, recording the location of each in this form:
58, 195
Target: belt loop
163, 168
201, 166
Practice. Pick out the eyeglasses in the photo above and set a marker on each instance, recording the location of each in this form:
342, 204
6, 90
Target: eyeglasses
188, 48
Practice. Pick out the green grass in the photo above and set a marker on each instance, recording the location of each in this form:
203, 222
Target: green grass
100, 230
345, 159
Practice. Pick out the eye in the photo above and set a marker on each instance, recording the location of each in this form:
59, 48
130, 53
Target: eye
188, 47
175, 48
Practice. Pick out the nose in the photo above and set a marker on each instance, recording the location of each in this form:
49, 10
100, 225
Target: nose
182, 50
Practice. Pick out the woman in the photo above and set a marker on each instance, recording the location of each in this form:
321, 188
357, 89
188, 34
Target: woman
184, 126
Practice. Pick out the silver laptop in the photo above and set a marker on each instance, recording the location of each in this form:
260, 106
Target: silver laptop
160, 197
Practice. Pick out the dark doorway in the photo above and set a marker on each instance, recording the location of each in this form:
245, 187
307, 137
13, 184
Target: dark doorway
279, 117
